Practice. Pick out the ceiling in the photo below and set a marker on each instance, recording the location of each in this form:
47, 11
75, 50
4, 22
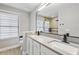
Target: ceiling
24, 6
50, 10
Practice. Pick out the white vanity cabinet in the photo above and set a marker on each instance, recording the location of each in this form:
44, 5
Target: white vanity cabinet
36, 48
46, 51
38, 45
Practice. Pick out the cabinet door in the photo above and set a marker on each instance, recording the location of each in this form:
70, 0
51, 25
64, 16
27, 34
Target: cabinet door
47, 51
31, 50
36, 48
28, 45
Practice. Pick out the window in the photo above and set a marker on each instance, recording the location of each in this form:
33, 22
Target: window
8, 25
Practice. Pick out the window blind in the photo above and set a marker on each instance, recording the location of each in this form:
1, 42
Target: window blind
8, 25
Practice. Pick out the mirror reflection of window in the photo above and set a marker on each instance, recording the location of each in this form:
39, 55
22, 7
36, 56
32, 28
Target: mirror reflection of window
46, 25
40, 21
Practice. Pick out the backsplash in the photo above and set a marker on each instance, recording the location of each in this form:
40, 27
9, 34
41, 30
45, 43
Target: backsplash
71, 39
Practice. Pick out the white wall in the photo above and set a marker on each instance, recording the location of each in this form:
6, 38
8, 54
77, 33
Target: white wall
33, 21
23, 22
69, 16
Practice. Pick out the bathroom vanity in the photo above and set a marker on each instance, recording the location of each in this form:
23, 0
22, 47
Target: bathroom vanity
42, 45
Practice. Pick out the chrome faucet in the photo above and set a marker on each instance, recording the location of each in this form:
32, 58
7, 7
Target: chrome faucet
65, 37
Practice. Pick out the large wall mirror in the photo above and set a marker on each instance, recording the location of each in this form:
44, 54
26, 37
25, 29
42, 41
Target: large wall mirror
59, 18
47, 24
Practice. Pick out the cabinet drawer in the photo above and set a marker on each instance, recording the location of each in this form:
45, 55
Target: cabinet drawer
47, 51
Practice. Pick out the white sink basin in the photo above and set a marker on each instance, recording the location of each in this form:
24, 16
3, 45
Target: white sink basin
43, 38
64, 47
